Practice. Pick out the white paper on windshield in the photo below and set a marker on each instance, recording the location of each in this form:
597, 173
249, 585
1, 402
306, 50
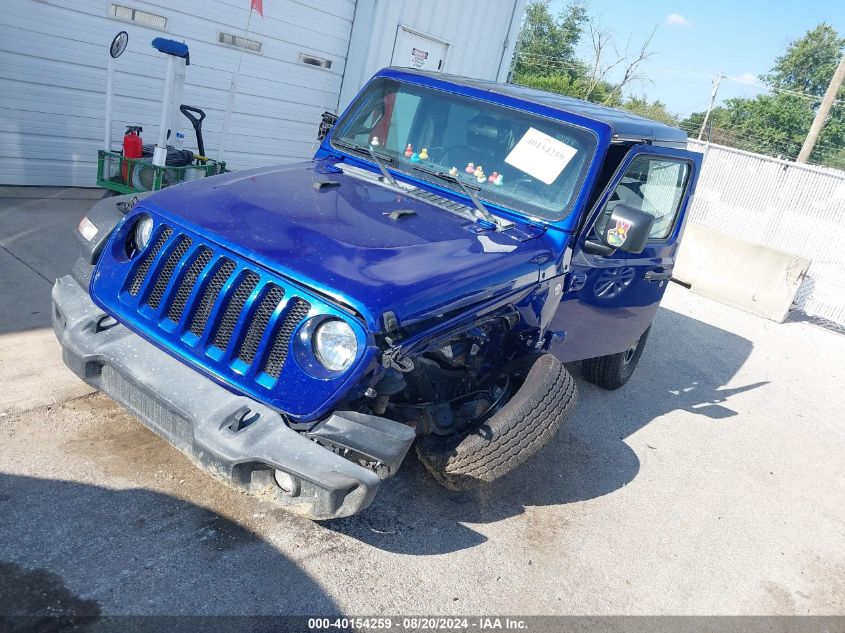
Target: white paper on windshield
540, 155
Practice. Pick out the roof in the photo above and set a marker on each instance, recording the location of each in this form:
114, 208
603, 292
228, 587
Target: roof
623, 124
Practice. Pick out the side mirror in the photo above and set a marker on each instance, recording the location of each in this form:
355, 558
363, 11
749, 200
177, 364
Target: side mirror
628, 229
327, 121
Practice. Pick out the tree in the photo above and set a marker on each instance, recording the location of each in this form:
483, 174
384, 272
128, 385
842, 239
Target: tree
545, 41
808, 63
547, 55
777, 123
655, 110
606, 57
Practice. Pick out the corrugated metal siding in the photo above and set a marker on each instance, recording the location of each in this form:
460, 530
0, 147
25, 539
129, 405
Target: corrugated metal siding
477, 32
794, 208
52, 80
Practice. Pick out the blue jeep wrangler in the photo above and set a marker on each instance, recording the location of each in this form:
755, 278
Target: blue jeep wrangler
295, 329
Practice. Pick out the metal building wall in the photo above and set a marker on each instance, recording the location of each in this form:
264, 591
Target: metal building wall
794, 208
52, 80
481, 35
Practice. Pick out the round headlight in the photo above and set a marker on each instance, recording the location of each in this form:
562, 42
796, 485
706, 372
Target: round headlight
142, 232
335, 345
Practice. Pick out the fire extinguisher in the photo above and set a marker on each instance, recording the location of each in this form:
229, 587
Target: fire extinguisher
132, 148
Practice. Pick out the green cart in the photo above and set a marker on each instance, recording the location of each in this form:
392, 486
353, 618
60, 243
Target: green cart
133, 175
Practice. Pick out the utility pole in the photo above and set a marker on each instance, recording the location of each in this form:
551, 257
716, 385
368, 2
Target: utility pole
716, 81
822, 112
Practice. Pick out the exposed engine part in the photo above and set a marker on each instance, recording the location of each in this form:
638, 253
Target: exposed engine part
391, 383
512, 318
459, 413
478, 347
393, 358
453, 386
380, 406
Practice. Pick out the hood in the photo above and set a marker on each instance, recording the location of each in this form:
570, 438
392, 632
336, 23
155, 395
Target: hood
341, 241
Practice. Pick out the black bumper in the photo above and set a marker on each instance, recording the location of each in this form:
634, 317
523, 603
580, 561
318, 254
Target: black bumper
234, 437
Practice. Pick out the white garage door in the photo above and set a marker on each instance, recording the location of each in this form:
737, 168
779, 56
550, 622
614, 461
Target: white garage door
52, 79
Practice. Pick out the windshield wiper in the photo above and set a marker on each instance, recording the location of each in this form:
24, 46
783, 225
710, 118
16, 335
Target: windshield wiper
483, 213
378, 160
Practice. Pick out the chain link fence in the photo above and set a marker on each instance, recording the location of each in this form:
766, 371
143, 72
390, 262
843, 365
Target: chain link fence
795, 208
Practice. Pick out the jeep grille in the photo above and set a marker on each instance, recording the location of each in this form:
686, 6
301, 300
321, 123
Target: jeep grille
222, 304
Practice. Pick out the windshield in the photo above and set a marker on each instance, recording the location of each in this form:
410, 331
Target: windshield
518, 160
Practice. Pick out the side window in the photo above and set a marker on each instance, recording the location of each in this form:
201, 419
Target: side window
654, 185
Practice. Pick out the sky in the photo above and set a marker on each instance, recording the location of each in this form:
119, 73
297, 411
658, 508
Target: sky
696, 40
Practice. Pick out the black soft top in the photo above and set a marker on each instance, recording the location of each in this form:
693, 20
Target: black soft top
625, 125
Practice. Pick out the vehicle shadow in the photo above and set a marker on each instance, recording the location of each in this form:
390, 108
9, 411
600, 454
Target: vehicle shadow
73, 554
685, 366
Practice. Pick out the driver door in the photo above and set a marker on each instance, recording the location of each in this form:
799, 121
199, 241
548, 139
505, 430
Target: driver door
610, 298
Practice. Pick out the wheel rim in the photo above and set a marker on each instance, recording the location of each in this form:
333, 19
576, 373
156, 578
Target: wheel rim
629, 353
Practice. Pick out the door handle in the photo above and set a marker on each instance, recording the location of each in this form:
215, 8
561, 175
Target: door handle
658, 274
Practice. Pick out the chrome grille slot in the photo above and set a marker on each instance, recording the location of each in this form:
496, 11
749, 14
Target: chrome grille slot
232, 313
259, 322
281, 341
177, 306
209, 297
163, 278
144, 267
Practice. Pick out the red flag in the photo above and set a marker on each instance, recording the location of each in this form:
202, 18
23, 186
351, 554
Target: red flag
258, 5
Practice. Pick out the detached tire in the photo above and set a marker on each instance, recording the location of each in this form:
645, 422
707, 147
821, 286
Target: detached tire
546, 397
614, 370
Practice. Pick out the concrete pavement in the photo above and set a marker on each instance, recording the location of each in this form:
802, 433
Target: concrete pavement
712, 483
36, 246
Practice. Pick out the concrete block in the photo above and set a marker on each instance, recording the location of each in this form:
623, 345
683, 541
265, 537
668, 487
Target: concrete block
754, 278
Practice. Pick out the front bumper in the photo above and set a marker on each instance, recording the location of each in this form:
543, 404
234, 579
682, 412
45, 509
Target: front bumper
236, 438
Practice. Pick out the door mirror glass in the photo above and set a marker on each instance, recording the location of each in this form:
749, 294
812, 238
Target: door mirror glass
628, 229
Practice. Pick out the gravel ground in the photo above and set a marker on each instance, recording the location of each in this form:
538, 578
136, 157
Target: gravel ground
713, 483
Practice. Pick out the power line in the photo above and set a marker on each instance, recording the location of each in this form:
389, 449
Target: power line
794, 93
743, 137
677, 73
749, 140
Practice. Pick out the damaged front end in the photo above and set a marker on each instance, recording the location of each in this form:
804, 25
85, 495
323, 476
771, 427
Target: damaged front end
447, 380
